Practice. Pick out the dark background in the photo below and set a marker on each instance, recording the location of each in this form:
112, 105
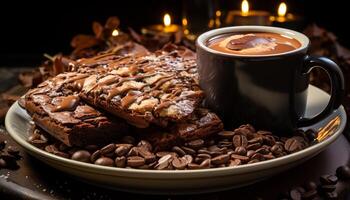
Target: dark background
29, 29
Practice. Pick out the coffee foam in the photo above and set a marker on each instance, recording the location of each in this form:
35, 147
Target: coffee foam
254, 43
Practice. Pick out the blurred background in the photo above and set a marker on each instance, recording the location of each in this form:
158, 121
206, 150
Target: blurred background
30, 28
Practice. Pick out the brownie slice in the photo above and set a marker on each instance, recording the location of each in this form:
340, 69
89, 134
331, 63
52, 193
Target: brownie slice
201, 124
157, 88
57, 109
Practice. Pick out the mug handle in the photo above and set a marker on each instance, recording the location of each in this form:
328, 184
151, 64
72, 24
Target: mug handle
337, 86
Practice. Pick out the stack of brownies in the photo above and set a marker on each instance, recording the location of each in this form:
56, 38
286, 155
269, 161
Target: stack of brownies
154, 96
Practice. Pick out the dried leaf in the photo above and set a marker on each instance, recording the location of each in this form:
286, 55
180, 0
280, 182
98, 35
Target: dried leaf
97, 28
112, 23
84, 41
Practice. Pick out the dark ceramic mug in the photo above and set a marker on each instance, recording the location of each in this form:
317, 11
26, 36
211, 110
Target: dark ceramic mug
268, 91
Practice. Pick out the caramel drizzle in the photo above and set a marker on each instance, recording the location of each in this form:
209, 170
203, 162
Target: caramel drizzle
67, 104
164, 63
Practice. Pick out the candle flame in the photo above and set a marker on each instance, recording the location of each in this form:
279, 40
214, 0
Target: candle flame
115, 32
282, 9
245, 7
184, 21
167, 20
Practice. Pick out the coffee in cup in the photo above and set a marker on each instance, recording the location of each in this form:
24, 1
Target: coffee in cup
260, 75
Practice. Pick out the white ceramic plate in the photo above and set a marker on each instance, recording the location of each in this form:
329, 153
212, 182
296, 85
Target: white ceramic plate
189, 181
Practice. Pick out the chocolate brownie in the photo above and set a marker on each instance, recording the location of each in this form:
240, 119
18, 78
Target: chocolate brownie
201, 124
158, 88
58, 110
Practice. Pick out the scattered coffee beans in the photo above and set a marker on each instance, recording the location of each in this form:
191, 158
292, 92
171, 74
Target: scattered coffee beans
228, 148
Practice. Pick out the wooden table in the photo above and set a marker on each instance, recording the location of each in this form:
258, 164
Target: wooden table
35, 180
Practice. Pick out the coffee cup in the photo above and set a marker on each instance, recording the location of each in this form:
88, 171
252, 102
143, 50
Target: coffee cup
260, 75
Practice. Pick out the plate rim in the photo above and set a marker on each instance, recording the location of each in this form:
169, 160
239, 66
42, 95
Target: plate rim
172, 174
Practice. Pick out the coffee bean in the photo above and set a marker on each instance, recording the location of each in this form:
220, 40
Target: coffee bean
262, 150
328, 179
145, 144
135, 161
250, 153
193, 166
12, 150
2, 163
295, 194
269, 140
120, 161
247, 127
311, 185
239, 141
188, 158
222, 159
234, 162
205, 151
254, 146
224, 143
269, 156
256, 140
310, 194
201, 157
213, 148
188, 150
38, 143
178, 150
196, 144
146, 154
107, 149
179, 163
205, 164
82, 156
300, 189
134, 151
164, 162
104, 161
226, 134
95, 156
311, 134
128, 139
331, 195
122, 150
328, 188
241, 151
239, 157
277, 149
210, 142
9, 161
258, 156
343, 172
294, 144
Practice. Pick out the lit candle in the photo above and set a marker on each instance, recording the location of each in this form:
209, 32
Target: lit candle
285, 19
245, 16
166, 28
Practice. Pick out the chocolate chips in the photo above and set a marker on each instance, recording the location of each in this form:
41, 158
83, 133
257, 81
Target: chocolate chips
227, 148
